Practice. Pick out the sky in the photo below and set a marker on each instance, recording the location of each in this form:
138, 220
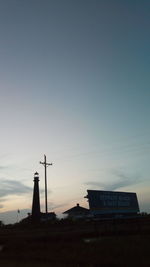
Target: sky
74, 85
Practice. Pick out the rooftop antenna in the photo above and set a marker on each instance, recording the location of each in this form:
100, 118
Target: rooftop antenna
45, 164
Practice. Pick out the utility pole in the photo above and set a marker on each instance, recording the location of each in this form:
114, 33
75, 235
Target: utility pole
45, 166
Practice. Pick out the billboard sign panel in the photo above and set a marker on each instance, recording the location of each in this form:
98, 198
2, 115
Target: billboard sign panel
106, 202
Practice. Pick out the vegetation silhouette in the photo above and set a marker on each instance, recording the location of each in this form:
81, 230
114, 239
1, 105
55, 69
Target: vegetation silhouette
68, 242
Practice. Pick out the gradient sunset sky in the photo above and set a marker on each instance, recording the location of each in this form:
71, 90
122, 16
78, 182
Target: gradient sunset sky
74, 85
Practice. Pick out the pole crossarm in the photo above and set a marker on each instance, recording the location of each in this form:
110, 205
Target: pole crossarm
47, 164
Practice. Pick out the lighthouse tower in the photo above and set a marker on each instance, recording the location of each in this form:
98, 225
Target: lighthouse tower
36, 199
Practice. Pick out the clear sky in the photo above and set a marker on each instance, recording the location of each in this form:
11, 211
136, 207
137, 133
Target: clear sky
74, 85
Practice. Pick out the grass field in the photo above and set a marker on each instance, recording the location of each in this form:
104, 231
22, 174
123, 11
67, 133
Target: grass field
92, 244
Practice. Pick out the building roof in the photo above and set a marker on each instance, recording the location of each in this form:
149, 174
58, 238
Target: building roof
76, 209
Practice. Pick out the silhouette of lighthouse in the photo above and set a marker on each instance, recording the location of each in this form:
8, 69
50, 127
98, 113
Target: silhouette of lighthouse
36, 199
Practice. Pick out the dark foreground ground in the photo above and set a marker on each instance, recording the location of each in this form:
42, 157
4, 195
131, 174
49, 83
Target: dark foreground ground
111, 243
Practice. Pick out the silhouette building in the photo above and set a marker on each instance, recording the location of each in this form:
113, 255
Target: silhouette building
77, 212
36, 199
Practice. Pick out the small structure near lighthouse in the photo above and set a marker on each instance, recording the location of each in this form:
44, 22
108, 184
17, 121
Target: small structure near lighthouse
36, 214
77, 212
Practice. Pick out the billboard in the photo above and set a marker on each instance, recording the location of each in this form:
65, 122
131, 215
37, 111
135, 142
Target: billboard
108, 202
